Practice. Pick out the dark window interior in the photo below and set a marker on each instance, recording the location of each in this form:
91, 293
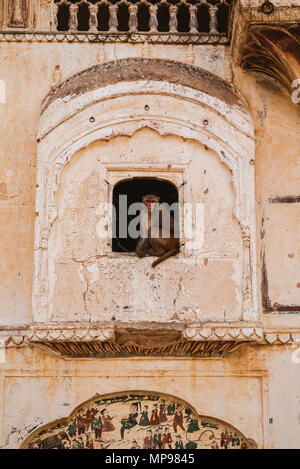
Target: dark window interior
83, 17
183, 18
203, 18
223, 17
135, 189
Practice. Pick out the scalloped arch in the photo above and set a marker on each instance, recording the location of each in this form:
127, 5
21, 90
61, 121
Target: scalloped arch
154, 413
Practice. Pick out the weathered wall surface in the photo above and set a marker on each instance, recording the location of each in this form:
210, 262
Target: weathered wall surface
276, 119
261, 377
36, 387
29, 72
276, 172
115, 285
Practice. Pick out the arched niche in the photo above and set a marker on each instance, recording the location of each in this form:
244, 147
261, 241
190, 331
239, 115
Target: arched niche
121, 98
137, 420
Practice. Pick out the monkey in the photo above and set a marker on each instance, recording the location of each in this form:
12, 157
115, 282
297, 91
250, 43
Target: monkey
152, 241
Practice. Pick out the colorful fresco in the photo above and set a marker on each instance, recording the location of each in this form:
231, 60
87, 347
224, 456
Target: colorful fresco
136, 420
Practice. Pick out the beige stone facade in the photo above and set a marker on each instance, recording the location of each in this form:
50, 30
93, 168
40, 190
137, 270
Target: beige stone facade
214, 114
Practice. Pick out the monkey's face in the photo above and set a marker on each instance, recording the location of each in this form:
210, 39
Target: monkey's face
150, 199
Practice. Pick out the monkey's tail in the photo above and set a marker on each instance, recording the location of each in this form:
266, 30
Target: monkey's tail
168, 254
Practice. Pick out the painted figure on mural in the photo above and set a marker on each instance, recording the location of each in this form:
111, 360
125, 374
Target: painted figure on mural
131, 421
162, 412
171, 408
178, 419
235, 440
97, 426
89, 442
167, 439
178, 442
107, 421
144, 420
154, 420
244, 445
135, 445
158, 439
191, 445
193, 425
81, 424
148, 440
72, 428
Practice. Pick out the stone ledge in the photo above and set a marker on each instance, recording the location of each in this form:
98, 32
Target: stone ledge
146, 336
58, 333
152, 38
224, 333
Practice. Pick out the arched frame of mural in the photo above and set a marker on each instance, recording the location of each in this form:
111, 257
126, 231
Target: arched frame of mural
192, 429
72, 121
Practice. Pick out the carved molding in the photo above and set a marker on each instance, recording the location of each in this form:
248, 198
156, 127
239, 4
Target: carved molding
224, 333
267, 43
48, 334
158, 38
200, 349
274, 51
85, 341
282, 338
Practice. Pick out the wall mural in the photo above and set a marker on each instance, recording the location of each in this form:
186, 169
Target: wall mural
137, 420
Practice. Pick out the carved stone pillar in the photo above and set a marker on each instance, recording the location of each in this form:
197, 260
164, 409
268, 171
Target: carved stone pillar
173, 23
133, 21
93, 18
153, 23
113, 19
193, 19
17, 13
213, 24
73, 22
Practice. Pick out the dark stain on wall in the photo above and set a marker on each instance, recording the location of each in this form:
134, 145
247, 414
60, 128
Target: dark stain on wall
288, 199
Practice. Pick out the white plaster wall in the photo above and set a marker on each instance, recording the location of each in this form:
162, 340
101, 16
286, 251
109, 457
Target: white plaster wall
87, 284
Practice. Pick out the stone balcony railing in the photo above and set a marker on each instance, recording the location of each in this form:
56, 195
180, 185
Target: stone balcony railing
164, 21
153, 16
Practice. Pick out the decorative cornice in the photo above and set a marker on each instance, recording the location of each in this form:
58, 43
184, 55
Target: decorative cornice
267, 43
56, 333
282, 14
274, 51
155, 38
282, 338
224, 333
86, 341
184, 348
252, 335
246, 13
